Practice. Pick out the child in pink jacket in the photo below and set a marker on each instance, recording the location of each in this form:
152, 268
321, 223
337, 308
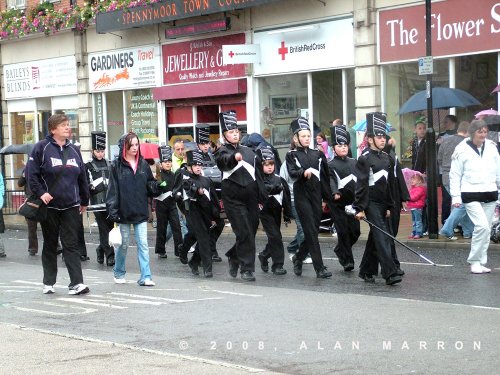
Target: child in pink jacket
418, 195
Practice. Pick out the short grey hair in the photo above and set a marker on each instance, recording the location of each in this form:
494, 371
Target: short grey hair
476, 125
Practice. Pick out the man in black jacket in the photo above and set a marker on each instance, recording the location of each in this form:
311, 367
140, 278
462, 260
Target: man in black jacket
98, 170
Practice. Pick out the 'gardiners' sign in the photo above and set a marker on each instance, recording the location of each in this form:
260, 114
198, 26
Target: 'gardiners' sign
165, 11
458, 27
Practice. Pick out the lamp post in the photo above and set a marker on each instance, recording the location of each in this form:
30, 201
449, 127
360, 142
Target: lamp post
430, 138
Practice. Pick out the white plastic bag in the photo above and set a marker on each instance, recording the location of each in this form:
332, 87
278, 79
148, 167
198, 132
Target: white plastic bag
115, 237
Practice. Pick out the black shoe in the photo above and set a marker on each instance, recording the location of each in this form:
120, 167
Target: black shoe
178, 251
194, 268
183, 257
247, 276
163, 256
394, 279
110, 261
100, 260
297, 266
323, 273
216, 258
367, 278
84, 258
208, 274
32, 252
3, 255
400, 272
279, 271
264, 264
233, 267
349, 267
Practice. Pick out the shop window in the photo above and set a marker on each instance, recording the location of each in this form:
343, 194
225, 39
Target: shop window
240, 108
179, 115
183, 132
142, 114
207, 114
23, 131
282, 98
114, 118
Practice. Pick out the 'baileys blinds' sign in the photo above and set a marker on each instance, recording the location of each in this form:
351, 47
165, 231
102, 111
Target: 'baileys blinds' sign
165, 11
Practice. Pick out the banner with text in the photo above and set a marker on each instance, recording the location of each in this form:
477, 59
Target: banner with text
199, 60
42, 78
319, 46
122, 69
459, 27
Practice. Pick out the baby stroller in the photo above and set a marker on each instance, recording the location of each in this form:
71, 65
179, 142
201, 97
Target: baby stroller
495, 227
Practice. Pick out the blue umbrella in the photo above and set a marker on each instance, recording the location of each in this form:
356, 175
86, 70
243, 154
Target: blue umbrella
442, 97
361, 126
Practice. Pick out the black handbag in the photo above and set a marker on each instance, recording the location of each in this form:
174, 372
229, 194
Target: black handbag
34, 208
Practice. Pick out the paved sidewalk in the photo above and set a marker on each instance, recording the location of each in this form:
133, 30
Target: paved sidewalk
288, 232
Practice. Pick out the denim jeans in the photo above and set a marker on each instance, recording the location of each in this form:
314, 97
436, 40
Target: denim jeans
140, 233
416, 219
458, 216
299, 236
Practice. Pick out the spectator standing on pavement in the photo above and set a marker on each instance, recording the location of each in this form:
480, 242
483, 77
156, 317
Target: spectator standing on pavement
450, 128
179, 153
374, 199
309, 170
32, 224
418, 158
55, 159
416, 203
343, 185
242, 192
131, 183
2, 223
458, 214
475, 182
276, 202
98, 170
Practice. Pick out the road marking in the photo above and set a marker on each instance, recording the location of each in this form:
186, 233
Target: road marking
84, 310
171, 300
206, 289
451, 304
91, 302
144, 350
131, 301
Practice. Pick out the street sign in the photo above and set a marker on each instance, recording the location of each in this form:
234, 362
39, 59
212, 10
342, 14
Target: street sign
425, 65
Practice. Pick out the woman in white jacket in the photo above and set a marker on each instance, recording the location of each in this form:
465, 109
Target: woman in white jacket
475, 182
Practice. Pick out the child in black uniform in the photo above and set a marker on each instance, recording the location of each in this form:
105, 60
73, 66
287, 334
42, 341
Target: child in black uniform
308, 169
343, 185
374, 198
241, 189
166, 210
202, 209
276, 202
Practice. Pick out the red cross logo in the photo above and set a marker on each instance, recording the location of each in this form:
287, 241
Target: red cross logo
231, 54
283, 50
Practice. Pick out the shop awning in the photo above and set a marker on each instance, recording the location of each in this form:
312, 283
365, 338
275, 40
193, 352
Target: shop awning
203, 89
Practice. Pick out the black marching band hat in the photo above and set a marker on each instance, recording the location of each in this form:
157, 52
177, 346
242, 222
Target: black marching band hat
299, 124
265, 153
98, 140
376, 124
202, 133
165, 153
194, 157
340, 135
228, 120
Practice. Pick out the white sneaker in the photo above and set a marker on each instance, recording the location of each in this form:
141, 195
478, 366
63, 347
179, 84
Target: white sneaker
147, 282
119, 281
191, 250
78, 289
48, 289
308, 260
291, 255
485, 270
476, 268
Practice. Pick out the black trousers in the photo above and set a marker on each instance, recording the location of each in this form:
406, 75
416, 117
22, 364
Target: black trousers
199, 224
51, 229
81, 238
308, 206
271, 223
445, 204
393, 223
166, 213
32, 235
241, 205
378, 245
215, 233
348, 231
104, 226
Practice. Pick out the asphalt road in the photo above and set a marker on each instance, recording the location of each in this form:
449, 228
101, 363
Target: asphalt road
440, 320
